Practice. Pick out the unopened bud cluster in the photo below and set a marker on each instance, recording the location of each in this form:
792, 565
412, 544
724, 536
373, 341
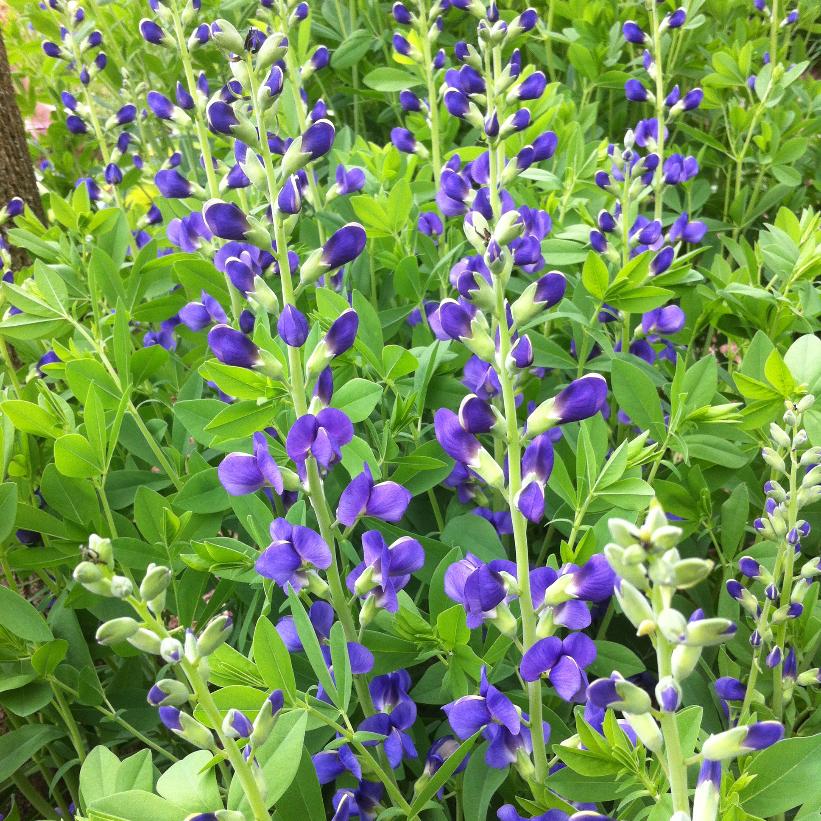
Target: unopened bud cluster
772, 597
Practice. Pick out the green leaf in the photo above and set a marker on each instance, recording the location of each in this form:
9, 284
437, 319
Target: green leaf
357, 398
98, 775
804, 362
303, 799
46, 658
595, 276
8, 508
479, 784
136, 772
279, 757
437, 598
612, 656
785, 776
307, 635
74, 499
778, 374
273, 659
191, 783
637, 396
30, 418
452, 627
135, 805
18, 746
390, 79
22, 619
76, 458
203, 493
352, 49
341, 662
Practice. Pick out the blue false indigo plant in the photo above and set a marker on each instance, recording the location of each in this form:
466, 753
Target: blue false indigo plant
408, 377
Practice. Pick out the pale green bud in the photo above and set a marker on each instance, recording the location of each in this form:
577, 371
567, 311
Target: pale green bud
271, 50
647, 730
623, 533
805, 403
145, 640
673, 625
168, 692
100, 550
779, 436
709, 632
690, 572
508, 227
634, 604
773, 460
684, 661
194, 732
504, 621
227, 37
121, 587
215, 633
171, 650
118, 630
156, 581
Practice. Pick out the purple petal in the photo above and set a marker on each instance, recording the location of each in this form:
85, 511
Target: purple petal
311, 547
540, 658
467, 715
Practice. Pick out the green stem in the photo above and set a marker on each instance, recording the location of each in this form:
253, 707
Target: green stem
316, 494
659, 178
32, 795
249, 784
676, 768
433, 97
68, 718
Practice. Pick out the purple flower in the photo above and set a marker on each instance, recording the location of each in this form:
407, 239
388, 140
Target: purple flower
330, 764
172, 184
293, 553
532, 87
397, 713
385, 569
349, 182
293, 327
198, 315
187, 233
151, 32
689, 232
225, 220
635, 91
344, 245
232, 347
562, 662
581, 399
362, 497
468, 714
244, 473
633, 33
667, 320
321, 436
537, 465
404, 140
478, 587
430, 224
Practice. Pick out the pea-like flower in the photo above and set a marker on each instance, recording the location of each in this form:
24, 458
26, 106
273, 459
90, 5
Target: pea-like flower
321, 436
244, 473
293, 554
562, 662
385, 569
363, 497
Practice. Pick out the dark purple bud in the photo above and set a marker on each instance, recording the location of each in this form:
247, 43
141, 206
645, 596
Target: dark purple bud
344, 245
293, 327
160, 105
403, 140
232, 347
633, 33
225, 220
342, 333
172, 184
635, 91
401, 14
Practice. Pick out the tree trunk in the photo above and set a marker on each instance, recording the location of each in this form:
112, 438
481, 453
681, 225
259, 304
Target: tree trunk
16, 171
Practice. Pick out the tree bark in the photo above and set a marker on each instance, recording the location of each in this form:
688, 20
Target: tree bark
16, 171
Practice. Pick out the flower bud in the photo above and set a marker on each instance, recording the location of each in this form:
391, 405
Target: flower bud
145, 640
684, 661
740, 740
227, 37
647, 730
266, 718
617, 693
121, 587
155, 582
236, 725
115, 631
171, 650
634, 604
168, 691
215, 633
187, 727
668, 694
773, 460
99, 550
779, 436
